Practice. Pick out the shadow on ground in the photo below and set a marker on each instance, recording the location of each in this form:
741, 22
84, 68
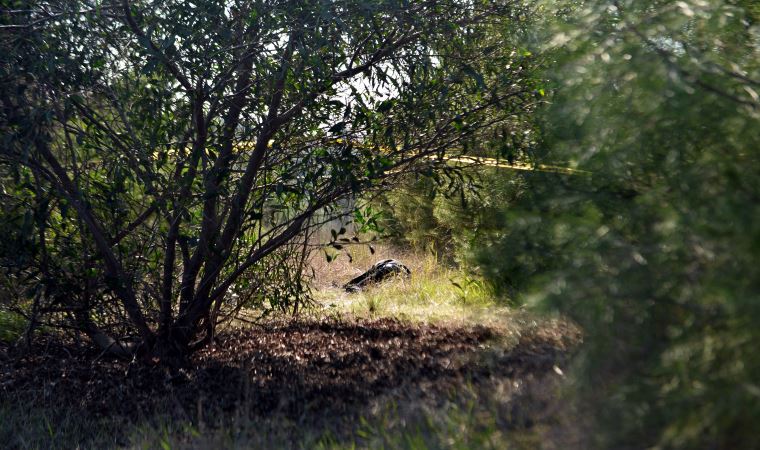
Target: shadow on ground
313, 373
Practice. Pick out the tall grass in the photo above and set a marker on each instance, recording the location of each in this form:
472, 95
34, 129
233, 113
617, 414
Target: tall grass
434, 293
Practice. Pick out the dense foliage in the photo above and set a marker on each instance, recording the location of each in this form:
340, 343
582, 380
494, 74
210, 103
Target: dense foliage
654, 253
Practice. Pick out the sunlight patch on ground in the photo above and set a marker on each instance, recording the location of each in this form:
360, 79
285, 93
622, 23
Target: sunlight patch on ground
435, 293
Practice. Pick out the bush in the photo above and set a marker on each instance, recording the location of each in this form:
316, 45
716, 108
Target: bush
655, 254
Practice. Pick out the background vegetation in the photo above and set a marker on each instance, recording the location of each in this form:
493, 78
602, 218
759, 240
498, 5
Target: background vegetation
655, 252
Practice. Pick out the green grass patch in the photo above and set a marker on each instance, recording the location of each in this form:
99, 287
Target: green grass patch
54, 427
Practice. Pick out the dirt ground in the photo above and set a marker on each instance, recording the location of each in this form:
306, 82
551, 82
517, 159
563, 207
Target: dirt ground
315, 372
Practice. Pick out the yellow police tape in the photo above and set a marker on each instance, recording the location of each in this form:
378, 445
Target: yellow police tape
493, 162
480, 161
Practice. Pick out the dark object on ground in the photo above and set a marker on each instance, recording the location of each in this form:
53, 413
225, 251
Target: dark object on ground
380, 271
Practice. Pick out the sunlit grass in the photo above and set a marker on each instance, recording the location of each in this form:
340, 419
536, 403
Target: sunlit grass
435, 293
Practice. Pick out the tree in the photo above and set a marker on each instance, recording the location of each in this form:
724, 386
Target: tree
653, 254
168, 148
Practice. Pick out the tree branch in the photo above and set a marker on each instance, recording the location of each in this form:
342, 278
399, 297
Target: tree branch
118, 279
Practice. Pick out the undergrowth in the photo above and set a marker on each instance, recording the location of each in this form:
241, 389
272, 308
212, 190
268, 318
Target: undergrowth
497, 412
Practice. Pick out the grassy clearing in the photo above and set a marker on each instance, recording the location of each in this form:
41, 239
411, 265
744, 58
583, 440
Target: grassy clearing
434, 294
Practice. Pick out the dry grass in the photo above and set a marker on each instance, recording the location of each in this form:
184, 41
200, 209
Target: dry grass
434, 294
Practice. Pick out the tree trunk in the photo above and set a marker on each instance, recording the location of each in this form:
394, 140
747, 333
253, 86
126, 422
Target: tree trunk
171, 350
